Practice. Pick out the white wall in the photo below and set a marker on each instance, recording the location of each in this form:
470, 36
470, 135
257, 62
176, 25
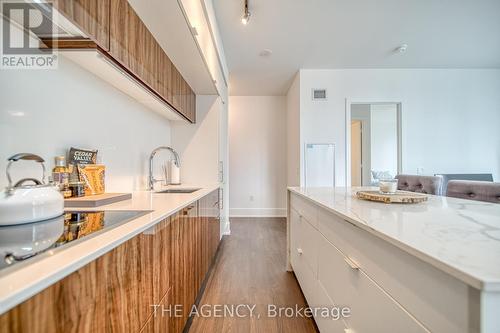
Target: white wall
450, 117
198, 144
48, 111
293, 132
257, 155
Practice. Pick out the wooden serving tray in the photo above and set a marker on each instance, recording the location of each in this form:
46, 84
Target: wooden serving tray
97, 200
398, 197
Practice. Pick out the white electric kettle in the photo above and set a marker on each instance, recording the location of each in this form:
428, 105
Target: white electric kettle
26, 203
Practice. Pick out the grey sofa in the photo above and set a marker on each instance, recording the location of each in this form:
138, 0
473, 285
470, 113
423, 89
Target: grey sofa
421, 184
487, 177
474, 190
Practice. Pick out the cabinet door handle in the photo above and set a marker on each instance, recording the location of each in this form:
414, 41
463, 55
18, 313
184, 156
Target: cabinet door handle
354, 265
299, 251
186, 210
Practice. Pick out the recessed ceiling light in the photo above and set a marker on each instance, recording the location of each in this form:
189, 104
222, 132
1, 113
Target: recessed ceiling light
246, 14
402, 48
266, 53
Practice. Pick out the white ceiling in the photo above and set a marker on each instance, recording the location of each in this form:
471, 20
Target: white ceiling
326, 34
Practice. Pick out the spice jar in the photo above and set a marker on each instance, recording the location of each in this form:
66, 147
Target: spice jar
77, 189
66, 192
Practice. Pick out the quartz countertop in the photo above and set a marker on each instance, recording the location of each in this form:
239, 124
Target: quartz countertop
20, 283
460, 237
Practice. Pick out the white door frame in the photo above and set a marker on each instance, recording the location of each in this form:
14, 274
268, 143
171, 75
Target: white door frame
399, 114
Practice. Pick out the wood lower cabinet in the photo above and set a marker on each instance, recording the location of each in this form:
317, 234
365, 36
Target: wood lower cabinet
160, 319
91, 16
118, 292
195, 239
110, 294
181, 254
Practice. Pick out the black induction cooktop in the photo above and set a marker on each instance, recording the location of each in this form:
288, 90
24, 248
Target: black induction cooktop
25, 242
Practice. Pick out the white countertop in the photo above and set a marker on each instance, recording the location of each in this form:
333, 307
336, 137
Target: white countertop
460, 237
20, 283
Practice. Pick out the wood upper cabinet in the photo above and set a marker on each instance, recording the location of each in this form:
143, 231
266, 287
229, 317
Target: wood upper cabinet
164, 75
91, 16
182, 95
119, 31
176, 80
189, 101
192, 104
131, 43
135, 48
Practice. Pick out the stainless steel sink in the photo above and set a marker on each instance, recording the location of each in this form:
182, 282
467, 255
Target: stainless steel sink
180, 190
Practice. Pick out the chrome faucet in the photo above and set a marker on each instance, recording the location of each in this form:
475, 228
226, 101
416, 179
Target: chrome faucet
177, 162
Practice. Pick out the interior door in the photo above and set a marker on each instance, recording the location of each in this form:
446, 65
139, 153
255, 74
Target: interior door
356, 153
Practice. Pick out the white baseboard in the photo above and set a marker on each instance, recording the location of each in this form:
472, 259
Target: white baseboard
257, 212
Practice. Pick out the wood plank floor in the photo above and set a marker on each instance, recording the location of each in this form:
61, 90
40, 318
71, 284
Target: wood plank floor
250, 269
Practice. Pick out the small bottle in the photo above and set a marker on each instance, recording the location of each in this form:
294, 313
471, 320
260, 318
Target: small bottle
60, 173
66, 191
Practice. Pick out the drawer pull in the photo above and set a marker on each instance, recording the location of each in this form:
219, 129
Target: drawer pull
352, 263
299, 251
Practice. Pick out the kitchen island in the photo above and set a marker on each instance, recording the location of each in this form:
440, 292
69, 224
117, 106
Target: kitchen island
432, 266
112, 281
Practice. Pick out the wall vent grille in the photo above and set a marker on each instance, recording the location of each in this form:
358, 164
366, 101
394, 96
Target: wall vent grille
319, 95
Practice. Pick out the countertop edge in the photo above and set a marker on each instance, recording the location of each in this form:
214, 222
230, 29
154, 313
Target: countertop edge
105, 242
486, 286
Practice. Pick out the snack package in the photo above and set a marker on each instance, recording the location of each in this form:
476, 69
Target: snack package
95, 222
79, 225
78, 156
82, 156
93, 175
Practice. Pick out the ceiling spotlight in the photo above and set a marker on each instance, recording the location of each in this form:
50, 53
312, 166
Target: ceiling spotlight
246, 14
402, 48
